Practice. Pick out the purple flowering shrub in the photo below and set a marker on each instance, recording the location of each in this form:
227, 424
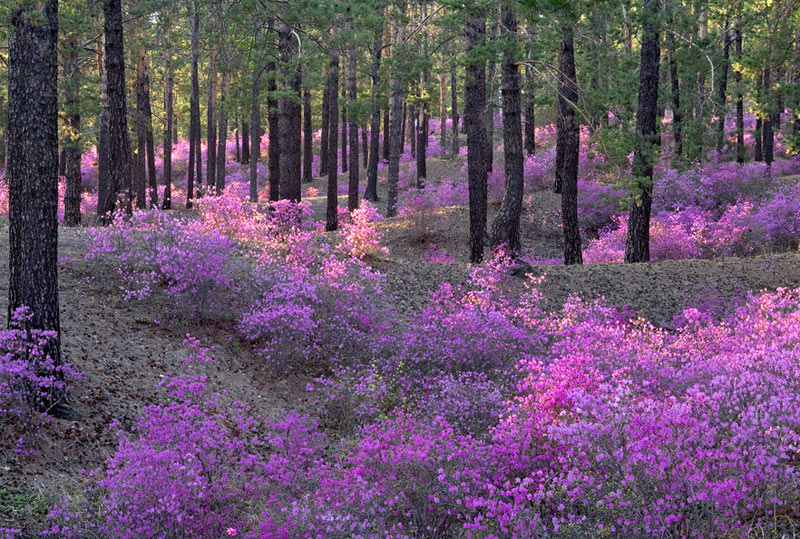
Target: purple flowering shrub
187, 264
29, 380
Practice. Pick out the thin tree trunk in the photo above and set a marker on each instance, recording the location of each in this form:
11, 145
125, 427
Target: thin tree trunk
33, 167
767, 127
222, 129
245, 142
758, 150
308, 138
326, 122
490, 99
211, 121
454, 108
371, 192
569, 139
386, 137
194, 109
365, 144
637, 246
675, 89
72, 137
344, 118
116, 112
274, 164
443, 104
410, 127
396, 111
530, 113
505, 229
352, 188
332, 208
166, 203
255, 124
739, 98
796, 80
723, 87
474, 117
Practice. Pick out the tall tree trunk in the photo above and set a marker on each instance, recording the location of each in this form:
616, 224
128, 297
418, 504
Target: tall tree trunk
365, 144
569, 140
505, 229
454, 108
758, 149
308, 138
237, 152
274, 149
739, 97
675, 88
371, 192
326, 123
33, 169
352, 188
211, 121
769, 138
723, 87
344, 118
443, 104
289, 112
255, 123
166, 203
396, 110
474, 116
490, 99
410, 127
222, 129
72, 136
637, 246
796, 80
245, 142
332, 209
530, 112
116, 113
194, 109
386, 137
422, 138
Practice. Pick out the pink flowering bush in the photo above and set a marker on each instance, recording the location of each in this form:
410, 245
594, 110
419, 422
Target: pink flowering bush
359, 237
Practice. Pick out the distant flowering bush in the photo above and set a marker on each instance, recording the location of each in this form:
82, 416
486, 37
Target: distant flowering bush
437, 256
359, 237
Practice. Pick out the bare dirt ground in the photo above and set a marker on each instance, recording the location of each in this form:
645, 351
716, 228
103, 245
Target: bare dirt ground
125, 354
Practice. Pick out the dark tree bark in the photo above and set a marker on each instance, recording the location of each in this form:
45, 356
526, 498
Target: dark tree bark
567, 98
371, 192
530, 112
352, 88
222, 129
326, 123
72, 136
237, 152
422, 138
255, 123
474, 116
62, 162
723, 87
33, 170
245, 142
395, 133
569, 140
796, 80
194, 110
116, 114
344, 119
332, 209
675, 89
739, 98
308, 136
386, 137
365, 145
166, 203
490, 99
289, 116
443, 104
767, 127
505, 229
211, 121
145, 145
454, 108
410, 127
637, 246
274, 159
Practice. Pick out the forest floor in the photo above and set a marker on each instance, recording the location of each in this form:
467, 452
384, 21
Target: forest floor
125, 350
